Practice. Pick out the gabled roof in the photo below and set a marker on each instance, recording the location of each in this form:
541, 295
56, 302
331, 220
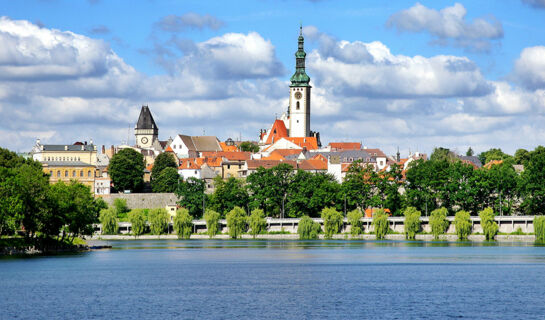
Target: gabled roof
304, 142
188, 163
267, 164
226, 148
274, 156
233, 156
312, 165
286, 152
473, 160
145, 120
169, 149
206, 143
278, 131
68, 147
375, 153
188, 142
338, 146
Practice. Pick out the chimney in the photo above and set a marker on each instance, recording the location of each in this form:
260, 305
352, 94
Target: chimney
103, 149
85, 143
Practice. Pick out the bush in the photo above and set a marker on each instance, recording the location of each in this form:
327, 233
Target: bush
333, 221
308, 229
236, 222
438, 222
490, 227
354, 218
257, 222
158, 219
412, 222
183, 223
212, 222
462, 224
108, 219
137, 218
539, 228
121, 208
380, 223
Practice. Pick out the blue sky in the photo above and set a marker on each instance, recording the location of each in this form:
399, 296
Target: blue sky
388, 73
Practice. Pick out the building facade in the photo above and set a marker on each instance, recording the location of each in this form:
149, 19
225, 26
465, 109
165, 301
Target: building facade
146, 131
299, 102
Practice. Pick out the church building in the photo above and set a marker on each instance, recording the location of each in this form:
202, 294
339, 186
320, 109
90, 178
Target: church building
145, 131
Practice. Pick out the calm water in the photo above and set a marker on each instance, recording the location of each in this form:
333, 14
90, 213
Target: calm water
279, 280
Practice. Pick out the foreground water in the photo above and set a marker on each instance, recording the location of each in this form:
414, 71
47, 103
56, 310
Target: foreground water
279, 280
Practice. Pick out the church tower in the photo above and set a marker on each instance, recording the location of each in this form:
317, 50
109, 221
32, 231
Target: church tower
299, 105
146, 130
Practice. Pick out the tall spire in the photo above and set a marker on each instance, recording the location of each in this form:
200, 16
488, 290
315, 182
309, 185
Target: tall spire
300, 77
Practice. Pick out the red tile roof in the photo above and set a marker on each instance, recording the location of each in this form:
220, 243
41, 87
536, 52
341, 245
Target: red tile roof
278, 131
375, 152
286, 152
304, 142
267, 164
338, 146
233, 156
226, 148
169, 149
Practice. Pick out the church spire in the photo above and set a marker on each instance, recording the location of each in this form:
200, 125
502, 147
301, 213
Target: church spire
300, 77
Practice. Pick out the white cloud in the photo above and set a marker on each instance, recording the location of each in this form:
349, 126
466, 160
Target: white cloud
449, 24
529, 68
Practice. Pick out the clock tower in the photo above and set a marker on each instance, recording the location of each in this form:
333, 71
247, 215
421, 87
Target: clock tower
145, 131
299, 105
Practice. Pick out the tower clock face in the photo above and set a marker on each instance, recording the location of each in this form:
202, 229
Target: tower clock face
298, 95
144, 140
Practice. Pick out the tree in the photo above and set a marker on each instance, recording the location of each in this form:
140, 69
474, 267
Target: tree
489, 226
191, 196
309, 193
249, 147
539, 228
470, 152
533, 183
166, 181
333, 221
354, 189
463, 224
164, 160
381, 224
493, 154
108, 219
236, 222
228, 194
212, 222
183, 224
438, 222
442, 154
354, 218
127, 170
522, 157
158, 219
268, 188
257, 222
121, 209
412, 222
308, 229
137, 219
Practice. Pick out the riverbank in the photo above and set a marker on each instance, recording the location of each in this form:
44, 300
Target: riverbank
32, 247
397, 237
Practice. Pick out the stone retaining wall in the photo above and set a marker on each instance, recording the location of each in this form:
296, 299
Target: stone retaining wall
143, 200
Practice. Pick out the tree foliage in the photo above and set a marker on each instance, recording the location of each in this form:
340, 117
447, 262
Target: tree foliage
108, 219
489, 226
257, 222
121, 209
236, 222
212, 219
229, 193
191, 196
438, 222
333, 221
166, 181
268, 188
183, 224
354, 218
308, 229
493, 154
381, 224
158, 219
248, 146
462, 223
412, 222
161, 162
539, 228
309, 193
137, 218
126, 170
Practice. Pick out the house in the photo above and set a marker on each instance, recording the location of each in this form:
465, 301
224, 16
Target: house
252, 165
77, 152
189, 169
192, 146
342, 146
102, 186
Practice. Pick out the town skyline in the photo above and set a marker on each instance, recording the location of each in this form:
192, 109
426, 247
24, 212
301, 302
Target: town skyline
431, 74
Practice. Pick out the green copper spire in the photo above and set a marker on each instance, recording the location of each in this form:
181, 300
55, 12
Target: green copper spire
300, 77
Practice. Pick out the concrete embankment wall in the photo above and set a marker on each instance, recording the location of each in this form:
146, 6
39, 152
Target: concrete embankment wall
143, 200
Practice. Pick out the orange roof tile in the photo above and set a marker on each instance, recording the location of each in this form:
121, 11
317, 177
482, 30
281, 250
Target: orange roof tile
233, 156
370, 211
278, 131
338, 146
492, 163
149, 167
169, 149
312, 165
274, 156
375, 152
304, 142
189, 163
267, 164
226, 148
319, 157
286, 152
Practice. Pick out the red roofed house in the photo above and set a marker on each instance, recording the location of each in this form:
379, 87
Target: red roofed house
341, 146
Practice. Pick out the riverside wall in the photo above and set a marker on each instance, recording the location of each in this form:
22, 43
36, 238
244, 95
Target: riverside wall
143, 200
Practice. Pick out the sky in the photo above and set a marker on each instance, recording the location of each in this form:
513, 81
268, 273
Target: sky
389, 74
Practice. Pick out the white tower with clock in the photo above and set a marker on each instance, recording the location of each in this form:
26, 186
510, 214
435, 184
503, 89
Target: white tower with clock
299, 105
145, 131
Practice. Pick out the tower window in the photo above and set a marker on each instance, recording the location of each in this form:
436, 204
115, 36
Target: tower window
297, 105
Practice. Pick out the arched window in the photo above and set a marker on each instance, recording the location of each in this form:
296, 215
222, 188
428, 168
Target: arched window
59, 174
81, 173
74, 173
297, 105
89, 174
66, 173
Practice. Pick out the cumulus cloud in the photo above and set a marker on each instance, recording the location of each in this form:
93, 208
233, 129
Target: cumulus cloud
529, 68
190, 20
449, 26
535, 3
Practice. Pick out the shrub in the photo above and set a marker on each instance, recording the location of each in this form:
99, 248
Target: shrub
412, 222
158, 219
212, 222
137, 218
236, 222
183, 223
121, 208
490, 227
463, 224
308, 229
539, 228
438, 222
257, 222
108, 219
333, 221
354, 218
380, 223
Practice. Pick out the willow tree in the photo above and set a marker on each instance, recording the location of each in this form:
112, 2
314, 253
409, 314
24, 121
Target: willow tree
137, 219
380, 223
308, 229
183, 224
333, 221
108, 219
257, 222
438, 222
354, 218
412, 222
462, 222
236, 222
212, 219
490, 227
158, 219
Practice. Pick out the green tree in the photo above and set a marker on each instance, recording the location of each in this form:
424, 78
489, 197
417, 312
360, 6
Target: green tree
249, 147
438, 222
212, 222
355, 189
268, 188
462, 223
533, 183
308, 229
126, 170
539, 228
158, 219
121, 209
489, 226
191, 196
493, 154
470, 152
228, 194
257, 222
236, 222
137, 218
183, 224
442, 154
333, 221
381, 224
522, 156
309, 193
412, 222
166, 181
163, 161
108, 219
354, 218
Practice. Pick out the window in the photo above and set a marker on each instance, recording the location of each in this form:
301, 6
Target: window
89, 173
81, 173
58, 174
51, 173
195, 171
74, 173
66, 173
228, 166
240, 166
297, 105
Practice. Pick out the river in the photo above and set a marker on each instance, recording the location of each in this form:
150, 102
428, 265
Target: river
200, 279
